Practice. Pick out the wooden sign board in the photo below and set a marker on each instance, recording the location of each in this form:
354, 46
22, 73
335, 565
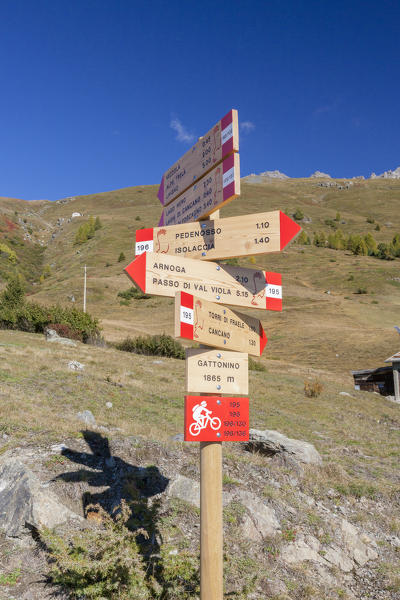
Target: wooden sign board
217, 325
221, 238
215, 145
214, 190
217, 371
164, 275
216, 419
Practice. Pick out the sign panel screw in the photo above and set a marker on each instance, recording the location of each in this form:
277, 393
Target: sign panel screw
219, 355
218, 297
203, 253
219, 401
218, 387
218, 268
218, 435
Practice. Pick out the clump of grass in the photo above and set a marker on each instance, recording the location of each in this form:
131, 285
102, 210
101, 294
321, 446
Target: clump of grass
155, 345
357, 490
361, 290
10, 578
313, 388
254, 365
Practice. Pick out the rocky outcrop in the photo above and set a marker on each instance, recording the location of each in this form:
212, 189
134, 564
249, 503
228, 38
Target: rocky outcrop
25, 503
387, 174
274, 175
320, 175
272, 442
52, 336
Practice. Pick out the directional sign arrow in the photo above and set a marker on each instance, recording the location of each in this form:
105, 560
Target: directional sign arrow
217, 188
216, 325
246, 235
164, 275
216, 144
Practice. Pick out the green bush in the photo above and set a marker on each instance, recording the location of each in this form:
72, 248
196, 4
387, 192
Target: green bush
100, 563
155, 345
14, 294
121, 257
133, 292
319, 239
16, 313
298, 215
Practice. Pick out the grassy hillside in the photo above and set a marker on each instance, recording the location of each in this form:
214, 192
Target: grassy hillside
339, 330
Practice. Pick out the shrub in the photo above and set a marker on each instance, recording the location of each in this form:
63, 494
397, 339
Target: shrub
319, 239
13, 295
298, 215
100, 563
87, 230
370, 220
133, 292
10, 254
155, 345
361, 290
303, 239
313, 388
371, 244
337, 218
15, 313
378, 227
383, 252
121, 257
360, 248
65, 331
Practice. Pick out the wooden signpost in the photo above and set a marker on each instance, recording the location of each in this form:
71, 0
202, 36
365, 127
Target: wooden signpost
164, 275
217, 188
216, 371
216, 144
221, 238
173, 260
217, 325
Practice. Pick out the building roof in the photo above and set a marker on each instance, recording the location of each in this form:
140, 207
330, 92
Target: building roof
394, 358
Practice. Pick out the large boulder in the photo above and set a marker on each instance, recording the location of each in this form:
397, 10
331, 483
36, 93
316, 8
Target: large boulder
25, 503
271, 442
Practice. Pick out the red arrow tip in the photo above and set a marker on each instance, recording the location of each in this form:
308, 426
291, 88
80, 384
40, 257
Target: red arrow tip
136, 271
263, 339
289, 229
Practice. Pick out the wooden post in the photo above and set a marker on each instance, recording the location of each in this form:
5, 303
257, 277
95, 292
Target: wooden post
211, 567
396, 378
211, 529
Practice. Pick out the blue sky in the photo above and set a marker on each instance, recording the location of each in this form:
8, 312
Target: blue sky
102, 94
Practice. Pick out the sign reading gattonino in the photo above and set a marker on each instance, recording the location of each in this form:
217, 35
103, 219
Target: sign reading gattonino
216, 419
216, 325
214, 190
221, 238
219, 142
212, 371
164, 275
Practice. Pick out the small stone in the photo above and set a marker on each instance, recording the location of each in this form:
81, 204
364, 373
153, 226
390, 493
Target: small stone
87, 417
74, 365
109, 404
344, 394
